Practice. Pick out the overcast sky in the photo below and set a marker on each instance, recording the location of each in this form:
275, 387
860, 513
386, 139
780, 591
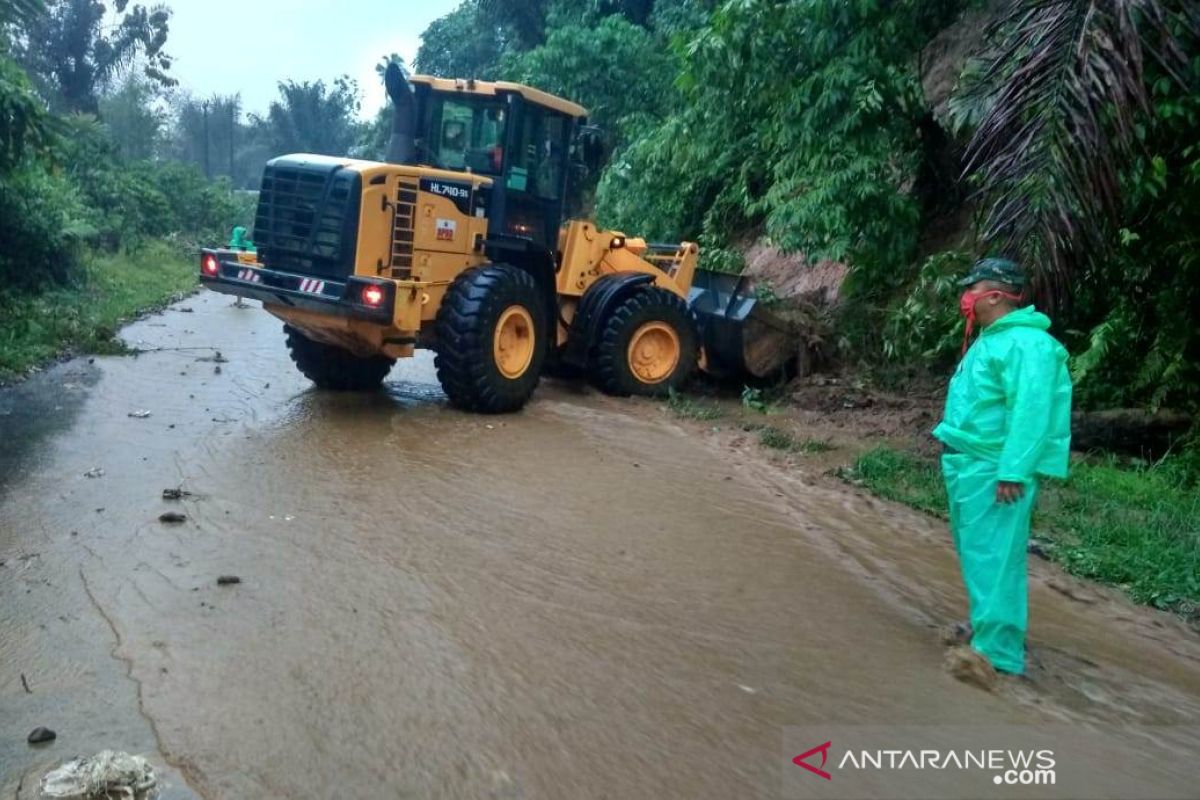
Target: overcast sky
247, 46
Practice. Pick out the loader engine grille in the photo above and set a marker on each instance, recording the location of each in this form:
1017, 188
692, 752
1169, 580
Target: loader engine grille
307, 219
402, 228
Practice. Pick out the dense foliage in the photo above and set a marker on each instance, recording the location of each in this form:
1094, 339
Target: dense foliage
1068, 136
100, 155
809, 125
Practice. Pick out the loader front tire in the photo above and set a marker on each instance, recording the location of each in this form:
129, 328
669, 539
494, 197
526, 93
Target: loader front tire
646, 347
331, 367
491, 339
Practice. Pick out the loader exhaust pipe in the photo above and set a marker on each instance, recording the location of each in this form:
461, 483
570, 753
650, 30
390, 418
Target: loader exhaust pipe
401, 145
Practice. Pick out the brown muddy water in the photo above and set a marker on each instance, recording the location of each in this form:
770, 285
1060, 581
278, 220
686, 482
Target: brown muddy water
582, 600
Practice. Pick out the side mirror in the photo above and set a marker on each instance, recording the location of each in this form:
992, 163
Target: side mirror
593, 147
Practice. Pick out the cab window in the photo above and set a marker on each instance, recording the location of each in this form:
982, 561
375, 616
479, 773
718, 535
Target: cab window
537, 159
468, 135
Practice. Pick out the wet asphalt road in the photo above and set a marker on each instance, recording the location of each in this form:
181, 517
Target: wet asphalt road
582, 600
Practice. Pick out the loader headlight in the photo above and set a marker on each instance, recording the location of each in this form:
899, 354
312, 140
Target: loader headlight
617, 243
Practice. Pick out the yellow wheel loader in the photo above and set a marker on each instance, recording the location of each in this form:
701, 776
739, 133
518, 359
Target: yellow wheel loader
458, 243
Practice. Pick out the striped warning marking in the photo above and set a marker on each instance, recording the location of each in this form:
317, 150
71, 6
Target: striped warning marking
312, 286
250, 275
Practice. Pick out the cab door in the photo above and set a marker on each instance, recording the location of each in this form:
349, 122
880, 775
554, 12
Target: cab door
535, 177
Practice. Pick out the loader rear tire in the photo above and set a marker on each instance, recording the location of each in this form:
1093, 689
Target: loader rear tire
331, 367
647, 346
491, 339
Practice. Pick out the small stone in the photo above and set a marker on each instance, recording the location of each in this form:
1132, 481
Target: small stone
94, 472
175, 494
173, 517
41, 736
228, 580
217, 369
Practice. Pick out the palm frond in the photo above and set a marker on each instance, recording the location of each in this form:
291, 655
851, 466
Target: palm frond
1061, 92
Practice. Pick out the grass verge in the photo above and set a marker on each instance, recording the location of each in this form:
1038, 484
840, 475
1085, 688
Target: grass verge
779, 439
86, 317
685, 407
1133, 526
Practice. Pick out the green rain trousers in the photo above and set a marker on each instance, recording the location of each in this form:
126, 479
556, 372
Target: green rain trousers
1007, 418
992, 540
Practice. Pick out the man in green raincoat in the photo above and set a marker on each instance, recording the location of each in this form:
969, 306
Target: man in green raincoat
1007, 424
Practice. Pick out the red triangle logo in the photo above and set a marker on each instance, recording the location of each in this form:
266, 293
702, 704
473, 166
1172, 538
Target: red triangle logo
802, 760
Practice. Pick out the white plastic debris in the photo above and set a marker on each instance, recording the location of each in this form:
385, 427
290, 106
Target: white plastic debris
141, 413
104, 776
94, 472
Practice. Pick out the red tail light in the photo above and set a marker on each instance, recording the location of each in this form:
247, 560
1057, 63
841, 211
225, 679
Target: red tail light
372, 296
209, 265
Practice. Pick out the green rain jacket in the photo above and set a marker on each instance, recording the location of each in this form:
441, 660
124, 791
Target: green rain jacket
1010, 400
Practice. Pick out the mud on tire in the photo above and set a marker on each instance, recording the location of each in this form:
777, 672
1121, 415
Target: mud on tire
470, 353
614, 364
331, 367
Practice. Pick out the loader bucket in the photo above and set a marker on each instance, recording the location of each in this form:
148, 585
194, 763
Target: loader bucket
721, 304
741, 337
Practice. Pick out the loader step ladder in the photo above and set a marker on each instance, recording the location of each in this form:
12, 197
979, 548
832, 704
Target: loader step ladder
403, 226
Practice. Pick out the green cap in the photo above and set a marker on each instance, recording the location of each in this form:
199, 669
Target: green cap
1000, 270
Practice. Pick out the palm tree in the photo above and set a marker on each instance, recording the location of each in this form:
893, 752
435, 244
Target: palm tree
1058, 100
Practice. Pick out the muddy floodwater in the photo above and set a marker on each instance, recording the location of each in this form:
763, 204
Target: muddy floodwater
584, 600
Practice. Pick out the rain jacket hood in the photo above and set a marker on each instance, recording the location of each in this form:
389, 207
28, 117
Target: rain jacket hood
1009, 402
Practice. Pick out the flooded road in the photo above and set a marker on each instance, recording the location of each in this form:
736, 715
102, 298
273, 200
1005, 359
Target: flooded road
582, 600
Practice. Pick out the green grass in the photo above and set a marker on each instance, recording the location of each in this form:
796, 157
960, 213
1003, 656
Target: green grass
86, 317
686, 407
1133, 526
778, 439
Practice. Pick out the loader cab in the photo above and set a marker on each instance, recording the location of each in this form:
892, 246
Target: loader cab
518, 136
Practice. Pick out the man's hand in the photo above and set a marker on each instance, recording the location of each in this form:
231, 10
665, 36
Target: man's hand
1009, 491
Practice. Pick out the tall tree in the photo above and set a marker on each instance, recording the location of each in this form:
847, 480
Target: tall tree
613, 67
1061, 99
207, 132
133, 118
73, 52
311, 117
466, 43
524, 19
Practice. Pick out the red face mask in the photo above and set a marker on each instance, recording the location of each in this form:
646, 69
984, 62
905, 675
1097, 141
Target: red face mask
966, 307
